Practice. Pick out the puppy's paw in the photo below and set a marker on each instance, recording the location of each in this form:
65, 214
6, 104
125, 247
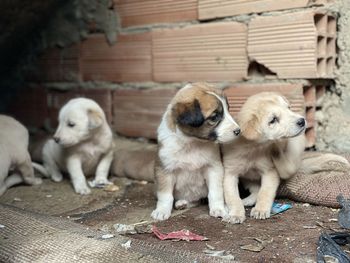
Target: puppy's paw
218, 212
181, 204
160, 214
249, 201
37, 181
57, 177
83, 190
259, 213
99, 183
232, 218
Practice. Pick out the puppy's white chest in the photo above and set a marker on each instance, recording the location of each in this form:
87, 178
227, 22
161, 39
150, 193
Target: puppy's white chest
184, 158
190, 185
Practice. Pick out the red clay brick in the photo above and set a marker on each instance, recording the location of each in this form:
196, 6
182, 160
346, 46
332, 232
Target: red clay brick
221, 8
296, 45
56, 65
137, 113
211, 52
29, 106
57, 98
128, 60
142, 12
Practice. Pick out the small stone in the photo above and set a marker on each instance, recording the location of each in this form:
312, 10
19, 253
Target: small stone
111, 188
48, 196
306, 205
2, 226
127, 244
17, 199
107, 236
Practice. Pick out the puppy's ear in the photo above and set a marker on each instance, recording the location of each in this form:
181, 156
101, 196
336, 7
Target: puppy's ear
249, 128
188, 114
95, 119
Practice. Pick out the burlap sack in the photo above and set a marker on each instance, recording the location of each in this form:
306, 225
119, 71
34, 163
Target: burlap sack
320, 188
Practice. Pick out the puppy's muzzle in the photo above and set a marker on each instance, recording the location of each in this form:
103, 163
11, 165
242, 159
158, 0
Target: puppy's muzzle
237, 131
301, 122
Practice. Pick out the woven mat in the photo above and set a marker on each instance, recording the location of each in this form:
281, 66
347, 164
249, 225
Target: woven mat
30, 237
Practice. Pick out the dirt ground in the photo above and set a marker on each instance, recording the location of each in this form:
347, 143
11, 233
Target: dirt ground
288, 237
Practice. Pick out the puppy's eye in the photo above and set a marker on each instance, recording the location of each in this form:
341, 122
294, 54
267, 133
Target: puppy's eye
214, 118
70, 124
273, 120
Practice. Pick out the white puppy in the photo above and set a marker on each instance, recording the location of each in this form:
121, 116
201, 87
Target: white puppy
82, 145
15, 162
189, 165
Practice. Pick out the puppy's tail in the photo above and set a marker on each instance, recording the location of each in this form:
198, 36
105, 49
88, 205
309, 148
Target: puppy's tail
41, 169
316, 162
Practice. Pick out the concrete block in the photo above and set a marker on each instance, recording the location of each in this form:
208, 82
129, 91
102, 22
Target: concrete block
295, 45
205, 52
128, 60
208, 9
57, 98
137, 113
143, 12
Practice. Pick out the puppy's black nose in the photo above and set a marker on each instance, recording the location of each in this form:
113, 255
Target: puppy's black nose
237, 131
56, 139
301, 122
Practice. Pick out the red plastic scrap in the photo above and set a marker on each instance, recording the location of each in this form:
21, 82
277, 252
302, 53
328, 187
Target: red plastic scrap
179, 235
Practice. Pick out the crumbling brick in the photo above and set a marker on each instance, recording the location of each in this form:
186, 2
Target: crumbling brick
128, 60
142, 12
312, 94
211, 52
295, 45
137, 113
208, 9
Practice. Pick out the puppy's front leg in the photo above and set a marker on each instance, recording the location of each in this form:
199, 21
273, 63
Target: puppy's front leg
267, 193
102, 170
214, 178
165, 186
236, 213
76, 173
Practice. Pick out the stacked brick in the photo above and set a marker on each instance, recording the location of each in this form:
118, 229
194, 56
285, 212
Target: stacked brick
297, 45
179, 41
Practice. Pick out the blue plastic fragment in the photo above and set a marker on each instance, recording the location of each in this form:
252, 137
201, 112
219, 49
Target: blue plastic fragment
278, 208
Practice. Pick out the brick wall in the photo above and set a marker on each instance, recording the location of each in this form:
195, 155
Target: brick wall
287, 46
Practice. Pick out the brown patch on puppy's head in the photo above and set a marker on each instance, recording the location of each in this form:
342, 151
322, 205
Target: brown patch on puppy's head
199, 109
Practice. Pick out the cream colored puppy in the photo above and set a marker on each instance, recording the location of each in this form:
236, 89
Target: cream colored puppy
270, 148
15, 162
189, 165
82, 145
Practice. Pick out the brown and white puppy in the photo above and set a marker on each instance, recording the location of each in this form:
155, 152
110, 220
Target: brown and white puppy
189, 165
15, 161
82, 145
270, 148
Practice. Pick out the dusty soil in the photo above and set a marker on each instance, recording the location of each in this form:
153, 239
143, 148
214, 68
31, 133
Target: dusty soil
288, 237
